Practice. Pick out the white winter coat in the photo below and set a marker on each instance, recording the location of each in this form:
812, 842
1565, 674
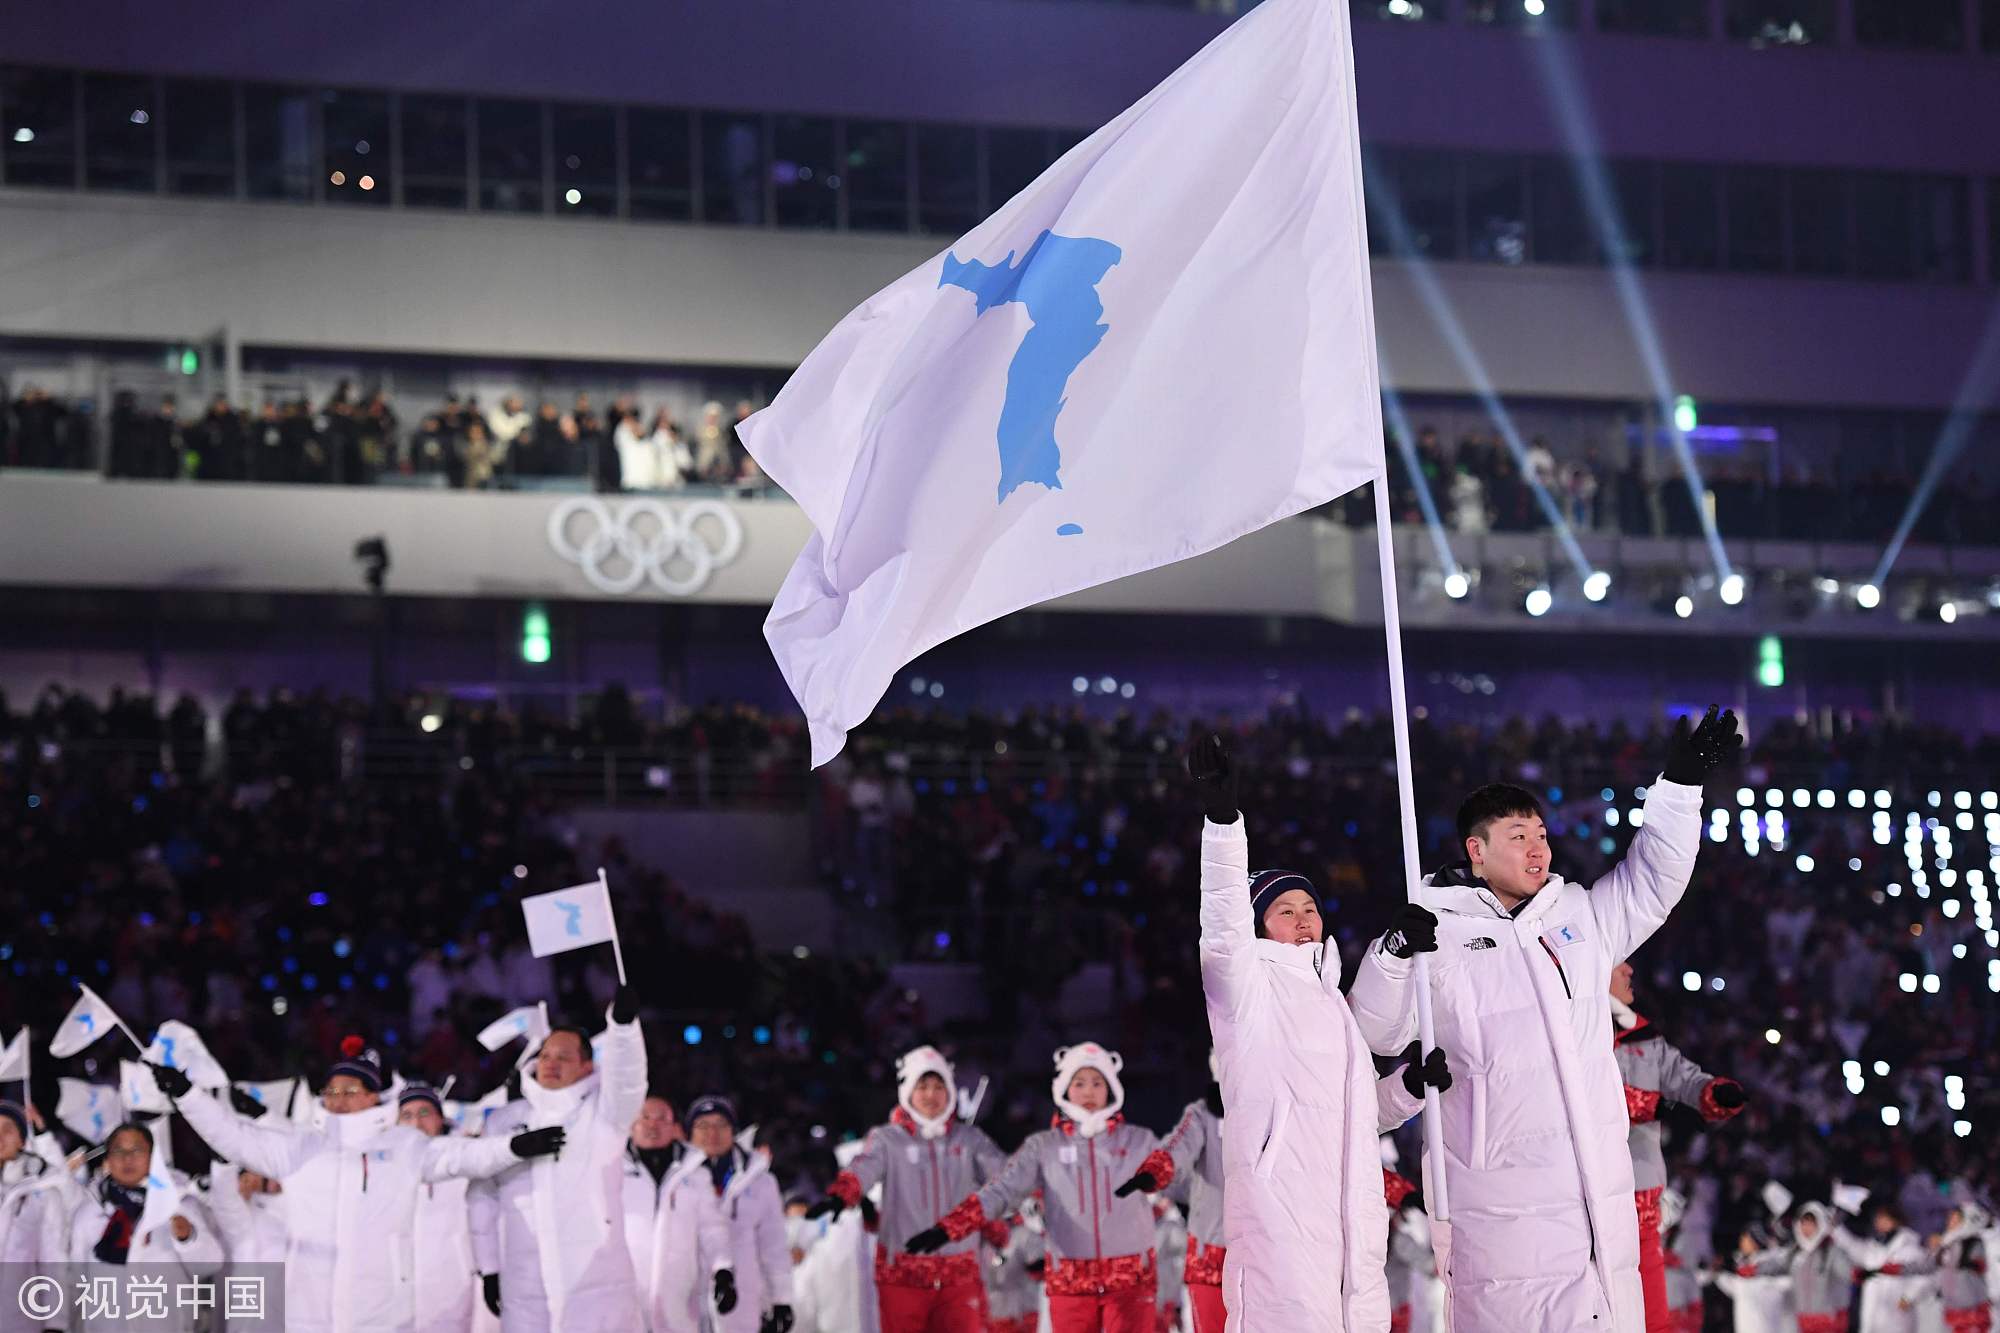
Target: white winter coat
350, 1190
554, 1228
1543, 1232
834, 1287
253, 1230
755, 1211
32, 1194
691, 1242
447, 1282
1306, 1223
154, 1255
1905, 1279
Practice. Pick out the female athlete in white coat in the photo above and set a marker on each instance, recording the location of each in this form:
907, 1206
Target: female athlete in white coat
1306, 1222
1543, 1233
351, 1188
33, 1189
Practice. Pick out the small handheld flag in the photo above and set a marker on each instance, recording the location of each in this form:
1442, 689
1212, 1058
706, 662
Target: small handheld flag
573, 918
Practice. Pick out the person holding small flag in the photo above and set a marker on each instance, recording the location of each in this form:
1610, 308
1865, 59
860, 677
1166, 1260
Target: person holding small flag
31, 1193
139, 1213
351, 1185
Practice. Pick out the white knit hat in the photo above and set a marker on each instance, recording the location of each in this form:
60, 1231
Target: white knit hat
911, 1067
1070, 1060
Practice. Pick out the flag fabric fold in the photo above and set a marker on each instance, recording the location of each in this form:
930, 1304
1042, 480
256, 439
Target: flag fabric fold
87, 1021
530, 1021
1162, 344
178, 1046
14, 1057
565, 919
90, 1110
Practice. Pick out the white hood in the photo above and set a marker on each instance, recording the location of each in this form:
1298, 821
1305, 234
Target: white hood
1820, 1213
552, 1106
358, 1127
1088, 1055
910, 1068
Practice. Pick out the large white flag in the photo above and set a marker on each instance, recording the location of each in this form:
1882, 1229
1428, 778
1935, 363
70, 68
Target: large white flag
163, 1192
89, 1019
138, 1090
178, 1046
274, 1095
569, 918
1162, 344
14, 1057
91, 1110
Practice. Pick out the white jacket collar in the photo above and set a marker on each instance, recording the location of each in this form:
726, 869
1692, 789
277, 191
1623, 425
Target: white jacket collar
749, 1166
357, 1127
1479, 901
557, 1104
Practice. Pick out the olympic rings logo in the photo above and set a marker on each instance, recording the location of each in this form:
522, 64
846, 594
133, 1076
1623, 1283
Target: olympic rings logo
645, 540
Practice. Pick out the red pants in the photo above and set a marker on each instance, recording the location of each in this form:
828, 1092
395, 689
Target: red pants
1969, 1321
1116, 1312
1823, 1323
1653, 1263
955, 1309
1209, 1316
1399, 1319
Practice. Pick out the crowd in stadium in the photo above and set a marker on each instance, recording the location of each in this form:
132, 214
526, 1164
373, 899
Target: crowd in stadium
248, 884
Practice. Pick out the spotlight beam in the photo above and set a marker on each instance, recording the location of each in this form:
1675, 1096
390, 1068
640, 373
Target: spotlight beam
1586, 157
1965, 409
1399, 431
1387, 208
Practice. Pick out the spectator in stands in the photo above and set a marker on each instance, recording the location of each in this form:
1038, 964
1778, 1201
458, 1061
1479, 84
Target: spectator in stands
478, 456
218, 443
42, 434
711, 445
645, 460
508, 426
302, 443
1542, 463
1468, 503
540, 453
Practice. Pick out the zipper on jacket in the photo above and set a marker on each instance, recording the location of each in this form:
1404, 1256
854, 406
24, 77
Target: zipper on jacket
1096, 1212
1543, 940
364, 1173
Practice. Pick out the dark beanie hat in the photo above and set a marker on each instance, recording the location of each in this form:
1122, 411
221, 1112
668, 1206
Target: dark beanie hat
1267, 885
420, 1092
357, 1061
15, 1112
712, 1105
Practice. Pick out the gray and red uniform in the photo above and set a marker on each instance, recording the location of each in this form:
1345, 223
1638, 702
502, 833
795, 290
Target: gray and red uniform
1684, 1307
921, 1178
1405, 1255
1655, 1071
1196, 1148
1014, 1281
1822, 1277
1102, 1272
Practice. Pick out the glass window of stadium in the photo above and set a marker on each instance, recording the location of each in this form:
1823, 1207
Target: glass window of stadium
120, 132
1412, 11
733, 172
659, 147
1654, 18
1013, 159
1931, 24
1496, 210
585, 139
199, 120
877, 172
805, 172
1522, 13
434, 151
1779, 22
1989, 25
1635, 193
1944, 228
510, 155
38, 125
948, 179
1754, 204
278, 142
1560, 230
356, 135
1691, 211
1885, 225
1821, 216
1423, 185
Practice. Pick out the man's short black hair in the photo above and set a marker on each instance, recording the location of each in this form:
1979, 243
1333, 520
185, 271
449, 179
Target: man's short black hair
1496, 800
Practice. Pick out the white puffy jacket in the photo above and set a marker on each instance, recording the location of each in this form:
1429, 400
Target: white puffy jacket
1903, 1279
691, 1242
447, 1281
154, 1257
755, 1212
554, 1228
1543, 1232
253, 1230
1305, 1219
350, 1191
33, 1190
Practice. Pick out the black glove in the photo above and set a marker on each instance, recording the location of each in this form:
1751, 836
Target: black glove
170, 1080
538, 1142
779, 1320
1691, 757
725, 1291
1214, 779
1413, 931
832, 1203
1728, 1094
1143, 1181
245, 1104
927, 1241
624, 1004
1433, 1072
869, 1217
489, 1284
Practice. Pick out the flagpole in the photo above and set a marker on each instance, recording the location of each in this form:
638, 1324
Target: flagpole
617, 954
1436, 1198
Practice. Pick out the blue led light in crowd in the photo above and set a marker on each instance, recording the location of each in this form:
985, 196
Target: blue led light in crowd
942, 939
761, 1035
691, 1034
316, 899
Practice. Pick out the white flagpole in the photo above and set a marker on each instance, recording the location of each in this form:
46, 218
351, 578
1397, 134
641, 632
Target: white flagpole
1435, 1198
617, 954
